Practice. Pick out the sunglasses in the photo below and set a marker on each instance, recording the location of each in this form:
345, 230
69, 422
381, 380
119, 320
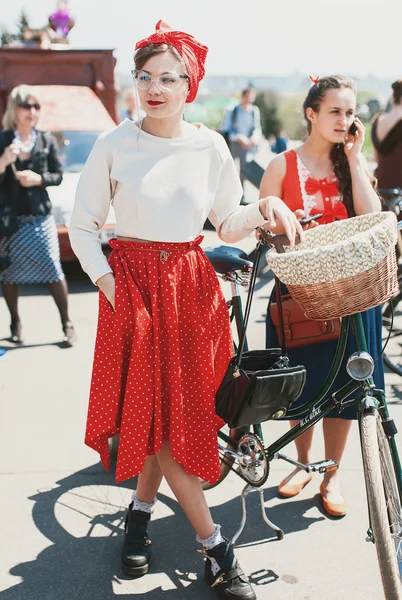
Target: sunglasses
28, 105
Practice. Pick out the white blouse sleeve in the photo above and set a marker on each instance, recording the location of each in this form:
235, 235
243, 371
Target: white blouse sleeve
91, 208
232, 221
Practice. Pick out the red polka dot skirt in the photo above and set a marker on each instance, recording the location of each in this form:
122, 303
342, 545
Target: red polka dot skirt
159, 358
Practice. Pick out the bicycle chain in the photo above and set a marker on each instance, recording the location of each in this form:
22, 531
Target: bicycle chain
237, 469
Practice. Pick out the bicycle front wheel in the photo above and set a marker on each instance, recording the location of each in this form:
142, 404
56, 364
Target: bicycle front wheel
384, 502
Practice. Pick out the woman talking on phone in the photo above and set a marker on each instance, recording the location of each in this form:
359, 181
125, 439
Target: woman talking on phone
326, 175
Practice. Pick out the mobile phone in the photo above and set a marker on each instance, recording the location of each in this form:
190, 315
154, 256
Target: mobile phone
353, 129
307, 220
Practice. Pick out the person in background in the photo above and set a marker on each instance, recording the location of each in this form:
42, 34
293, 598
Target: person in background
243, 126
279, 143
327, 174
155, 377
386, 134
29, 163
132, 111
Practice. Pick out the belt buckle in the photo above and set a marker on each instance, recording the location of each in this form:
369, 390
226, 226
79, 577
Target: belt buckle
163, 255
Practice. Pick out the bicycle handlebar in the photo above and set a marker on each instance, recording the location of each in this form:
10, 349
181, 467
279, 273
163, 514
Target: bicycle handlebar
278, 241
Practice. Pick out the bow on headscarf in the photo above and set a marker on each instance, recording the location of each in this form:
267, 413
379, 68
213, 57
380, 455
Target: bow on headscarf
312, 186
192, 51
331, 213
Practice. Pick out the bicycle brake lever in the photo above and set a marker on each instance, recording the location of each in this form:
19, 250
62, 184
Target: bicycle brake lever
282, 240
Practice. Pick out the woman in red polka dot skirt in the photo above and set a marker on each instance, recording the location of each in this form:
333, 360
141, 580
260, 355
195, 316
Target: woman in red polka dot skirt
163, 341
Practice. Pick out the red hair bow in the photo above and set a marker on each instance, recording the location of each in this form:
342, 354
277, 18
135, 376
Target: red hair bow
314, 79
312, 186
192, 51
331, 213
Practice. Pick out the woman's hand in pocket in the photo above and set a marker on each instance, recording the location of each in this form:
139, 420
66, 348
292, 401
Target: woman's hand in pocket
107, 285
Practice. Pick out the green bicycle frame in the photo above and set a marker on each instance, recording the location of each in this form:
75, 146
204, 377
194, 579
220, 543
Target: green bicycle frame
320, 405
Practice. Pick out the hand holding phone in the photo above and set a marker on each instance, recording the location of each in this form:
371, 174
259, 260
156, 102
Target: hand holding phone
306, 220
353, 129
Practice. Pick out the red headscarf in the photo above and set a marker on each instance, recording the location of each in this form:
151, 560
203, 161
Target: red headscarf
193, 53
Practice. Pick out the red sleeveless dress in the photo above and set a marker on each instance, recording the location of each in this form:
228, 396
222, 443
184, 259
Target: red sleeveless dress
300, 190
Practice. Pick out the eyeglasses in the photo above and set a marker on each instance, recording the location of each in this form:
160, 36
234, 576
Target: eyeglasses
165, 83
28, 105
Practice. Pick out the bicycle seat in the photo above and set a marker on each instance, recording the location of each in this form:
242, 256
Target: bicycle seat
227, 258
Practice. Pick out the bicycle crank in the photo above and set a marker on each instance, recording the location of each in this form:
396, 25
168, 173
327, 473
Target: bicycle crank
253, 465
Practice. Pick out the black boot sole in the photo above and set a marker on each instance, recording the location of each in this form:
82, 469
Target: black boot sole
135, 571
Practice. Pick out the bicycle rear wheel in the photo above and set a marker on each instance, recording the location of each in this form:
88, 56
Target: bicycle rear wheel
384, 502
393, 352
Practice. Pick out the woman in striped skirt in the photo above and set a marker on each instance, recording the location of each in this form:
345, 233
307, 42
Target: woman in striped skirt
29, 162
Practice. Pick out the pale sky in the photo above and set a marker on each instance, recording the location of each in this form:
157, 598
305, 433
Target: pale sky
254, 37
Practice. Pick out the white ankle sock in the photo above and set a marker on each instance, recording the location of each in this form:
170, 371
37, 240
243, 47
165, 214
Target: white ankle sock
208, 543
144, 506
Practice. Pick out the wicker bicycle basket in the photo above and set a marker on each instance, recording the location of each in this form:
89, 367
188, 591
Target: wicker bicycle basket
341, 268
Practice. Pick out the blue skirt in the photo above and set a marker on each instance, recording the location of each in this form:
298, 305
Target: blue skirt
33, 251
318, 358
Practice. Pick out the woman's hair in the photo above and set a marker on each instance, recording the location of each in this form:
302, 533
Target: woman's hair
144, 54
338, 157
17, 96
397, 87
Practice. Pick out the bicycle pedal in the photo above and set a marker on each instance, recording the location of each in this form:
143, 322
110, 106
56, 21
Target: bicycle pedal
323, 466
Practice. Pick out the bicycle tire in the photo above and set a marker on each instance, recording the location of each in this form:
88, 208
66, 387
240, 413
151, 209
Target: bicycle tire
376, 455
392, 358
226, 460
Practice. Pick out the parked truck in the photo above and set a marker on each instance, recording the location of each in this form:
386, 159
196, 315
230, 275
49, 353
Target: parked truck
35, 66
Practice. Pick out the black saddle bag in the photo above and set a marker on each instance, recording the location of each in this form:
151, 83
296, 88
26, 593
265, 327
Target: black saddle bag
260, 384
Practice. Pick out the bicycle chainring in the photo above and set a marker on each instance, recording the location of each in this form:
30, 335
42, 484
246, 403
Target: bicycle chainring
253, 464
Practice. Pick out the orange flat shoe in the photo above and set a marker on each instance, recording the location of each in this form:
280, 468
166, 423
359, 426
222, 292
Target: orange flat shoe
288, 490
338, 509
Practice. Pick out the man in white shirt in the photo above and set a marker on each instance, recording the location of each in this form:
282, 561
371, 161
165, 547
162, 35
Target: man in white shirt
243, 126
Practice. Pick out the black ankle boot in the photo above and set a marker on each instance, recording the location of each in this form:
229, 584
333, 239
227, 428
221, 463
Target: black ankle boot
230, 582
136, 553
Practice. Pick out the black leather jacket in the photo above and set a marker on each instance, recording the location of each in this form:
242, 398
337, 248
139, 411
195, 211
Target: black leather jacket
45, 160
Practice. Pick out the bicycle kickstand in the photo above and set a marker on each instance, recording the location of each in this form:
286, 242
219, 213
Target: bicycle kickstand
248, 489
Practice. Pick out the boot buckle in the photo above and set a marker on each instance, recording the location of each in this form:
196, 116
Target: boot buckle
218, 580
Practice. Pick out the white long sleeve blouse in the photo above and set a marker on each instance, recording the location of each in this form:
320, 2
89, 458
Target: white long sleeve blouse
162, 189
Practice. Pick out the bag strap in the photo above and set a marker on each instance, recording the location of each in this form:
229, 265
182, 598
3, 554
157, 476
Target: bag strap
248, 304
233, 122
278, 297
253, 120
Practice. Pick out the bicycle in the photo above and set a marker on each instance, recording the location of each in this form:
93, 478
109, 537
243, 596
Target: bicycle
243, 451
392, 310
